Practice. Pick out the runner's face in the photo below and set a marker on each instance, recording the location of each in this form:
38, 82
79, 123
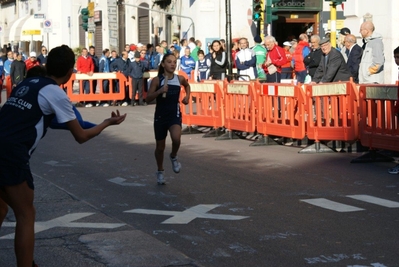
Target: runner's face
170, 64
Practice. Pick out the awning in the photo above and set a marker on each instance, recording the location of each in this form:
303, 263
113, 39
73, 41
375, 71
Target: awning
23, 29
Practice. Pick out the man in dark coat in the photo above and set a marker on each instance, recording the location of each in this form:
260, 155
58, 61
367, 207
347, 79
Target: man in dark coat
18, 70
312, 60
332, 67
354, 53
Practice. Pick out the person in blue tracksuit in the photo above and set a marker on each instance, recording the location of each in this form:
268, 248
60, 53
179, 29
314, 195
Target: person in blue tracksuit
187, 63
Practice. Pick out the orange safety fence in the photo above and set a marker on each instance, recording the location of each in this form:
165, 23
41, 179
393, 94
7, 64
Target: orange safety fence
115, 81
379, 124
240, 106
332, 114
7, 85
206, 107
281, 110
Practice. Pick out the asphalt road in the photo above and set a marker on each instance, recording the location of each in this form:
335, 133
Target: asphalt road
231, 205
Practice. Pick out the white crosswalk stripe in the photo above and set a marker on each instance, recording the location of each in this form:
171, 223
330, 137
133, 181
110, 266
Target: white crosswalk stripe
331, 205
339, 207
376, 201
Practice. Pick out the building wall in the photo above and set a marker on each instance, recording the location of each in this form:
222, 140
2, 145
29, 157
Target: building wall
385, 19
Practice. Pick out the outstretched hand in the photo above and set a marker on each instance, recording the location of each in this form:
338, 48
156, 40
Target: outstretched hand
116, 118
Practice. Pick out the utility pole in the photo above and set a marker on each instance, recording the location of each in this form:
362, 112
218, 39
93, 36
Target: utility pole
228, 37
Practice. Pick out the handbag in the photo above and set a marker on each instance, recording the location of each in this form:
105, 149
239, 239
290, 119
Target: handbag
271, 69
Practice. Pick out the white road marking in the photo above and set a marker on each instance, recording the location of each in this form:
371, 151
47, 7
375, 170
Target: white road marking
65, 221
331, 205
121, 181
376, 201
56, 164
184, 217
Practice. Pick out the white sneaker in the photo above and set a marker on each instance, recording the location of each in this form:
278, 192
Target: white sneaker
394, 170
105, 105
175, 164
160, 177
124, 104
88, 105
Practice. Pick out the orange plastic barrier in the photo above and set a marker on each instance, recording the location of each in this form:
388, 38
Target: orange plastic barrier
286, 121
206, 109
8, 85
379, 124
332, 112
99, 95
240, 106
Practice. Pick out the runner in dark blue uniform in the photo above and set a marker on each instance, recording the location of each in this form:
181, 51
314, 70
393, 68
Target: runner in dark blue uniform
24, 119
166, 89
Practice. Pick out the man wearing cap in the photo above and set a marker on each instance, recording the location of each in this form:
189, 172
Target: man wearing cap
372, 64
31, 61
342, 33
130, 52
286, 70
332, 67
260, 54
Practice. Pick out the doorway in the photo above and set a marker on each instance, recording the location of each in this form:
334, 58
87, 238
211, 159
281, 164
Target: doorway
287, 28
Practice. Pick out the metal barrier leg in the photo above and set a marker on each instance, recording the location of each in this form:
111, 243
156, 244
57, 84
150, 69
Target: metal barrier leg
216, 132
372, 156
190, 130
227, 136
317, 147
264, 141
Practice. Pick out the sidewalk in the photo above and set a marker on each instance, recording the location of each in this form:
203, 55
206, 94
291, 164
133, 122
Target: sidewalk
70, 232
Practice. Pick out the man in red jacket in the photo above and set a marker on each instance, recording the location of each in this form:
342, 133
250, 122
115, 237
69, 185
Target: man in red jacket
275, 57
85, 65
31, 61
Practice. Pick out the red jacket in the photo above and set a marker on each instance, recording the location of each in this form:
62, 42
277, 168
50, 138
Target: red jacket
277, 57
30, 64
298, 56
85, 65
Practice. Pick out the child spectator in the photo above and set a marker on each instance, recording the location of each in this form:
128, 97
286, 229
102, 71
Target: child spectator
202, 67
187, 63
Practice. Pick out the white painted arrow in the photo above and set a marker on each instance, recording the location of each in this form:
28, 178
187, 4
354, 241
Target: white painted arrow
65, 221
184, 217
121, 181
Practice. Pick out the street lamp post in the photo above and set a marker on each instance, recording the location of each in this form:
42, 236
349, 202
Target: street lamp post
228, 37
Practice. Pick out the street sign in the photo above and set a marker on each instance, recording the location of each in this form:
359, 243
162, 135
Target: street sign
39, 16
32, 32
47, 26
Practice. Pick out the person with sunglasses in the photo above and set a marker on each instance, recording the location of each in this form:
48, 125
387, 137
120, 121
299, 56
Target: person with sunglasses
42, 58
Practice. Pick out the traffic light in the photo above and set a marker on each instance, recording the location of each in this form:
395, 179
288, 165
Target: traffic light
270, 10
336, 2
257, 10
85, 18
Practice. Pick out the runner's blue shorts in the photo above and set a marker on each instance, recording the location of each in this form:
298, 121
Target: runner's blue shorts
10, 175
162, 125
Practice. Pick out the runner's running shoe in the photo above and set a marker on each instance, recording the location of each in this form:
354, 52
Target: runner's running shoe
175, 164
160, 177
